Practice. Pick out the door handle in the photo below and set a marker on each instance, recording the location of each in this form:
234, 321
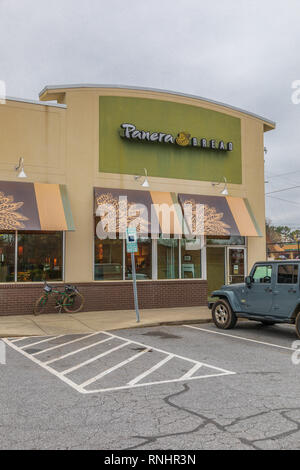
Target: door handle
268, 289
292, 291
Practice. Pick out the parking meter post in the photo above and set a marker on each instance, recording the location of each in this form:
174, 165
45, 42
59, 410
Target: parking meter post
136, 305
132, 247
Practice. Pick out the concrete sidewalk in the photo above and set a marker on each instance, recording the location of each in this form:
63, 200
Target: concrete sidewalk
88, 322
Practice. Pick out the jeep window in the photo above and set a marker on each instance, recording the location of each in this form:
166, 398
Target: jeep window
287, 274
262, 274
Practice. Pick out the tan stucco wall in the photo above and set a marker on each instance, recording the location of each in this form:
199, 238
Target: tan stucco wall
36, 133
62, 146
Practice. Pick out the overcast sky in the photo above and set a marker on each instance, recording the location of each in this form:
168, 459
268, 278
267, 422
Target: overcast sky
241, 52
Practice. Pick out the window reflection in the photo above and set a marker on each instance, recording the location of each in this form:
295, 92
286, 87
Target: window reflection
287, 274
108, 259
167, 258
40, 256
7, 257
234, 240
262, 274
190, 259
143, 260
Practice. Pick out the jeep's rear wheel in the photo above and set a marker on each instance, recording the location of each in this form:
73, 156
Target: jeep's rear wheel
297, 325
223, 316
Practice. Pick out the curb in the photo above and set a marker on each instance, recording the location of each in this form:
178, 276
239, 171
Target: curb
165, 323
144, 325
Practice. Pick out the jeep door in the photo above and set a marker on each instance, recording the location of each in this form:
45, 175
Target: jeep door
259, 295
286, 289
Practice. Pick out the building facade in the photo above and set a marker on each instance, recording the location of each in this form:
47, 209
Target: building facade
84, 146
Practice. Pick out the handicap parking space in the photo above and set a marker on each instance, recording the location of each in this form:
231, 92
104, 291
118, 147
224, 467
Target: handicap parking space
202, 386
102, 361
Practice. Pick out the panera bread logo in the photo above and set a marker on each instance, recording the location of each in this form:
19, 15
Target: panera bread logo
183, 139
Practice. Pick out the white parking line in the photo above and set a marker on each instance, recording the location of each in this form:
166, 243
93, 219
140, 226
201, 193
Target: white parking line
149, 371
63, 344
191, 371
49, 369
158, 382
58, 358
117, 366
81, 388
39, 342
240, 337
15, 340
19, 338
93, 359
166, 352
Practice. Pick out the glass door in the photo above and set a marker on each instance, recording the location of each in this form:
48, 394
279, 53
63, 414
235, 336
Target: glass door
236, 261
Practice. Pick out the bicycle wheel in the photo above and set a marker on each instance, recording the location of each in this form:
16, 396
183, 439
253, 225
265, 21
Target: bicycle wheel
40, 304
73, 302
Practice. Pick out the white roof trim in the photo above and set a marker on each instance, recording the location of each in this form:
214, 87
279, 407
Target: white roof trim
157, 90
41, 103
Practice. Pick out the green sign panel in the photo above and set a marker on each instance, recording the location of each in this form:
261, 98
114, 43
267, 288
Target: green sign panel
131, 240
171, 140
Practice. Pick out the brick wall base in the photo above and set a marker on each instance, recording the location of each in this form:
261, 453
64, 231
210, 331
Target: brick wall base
18, 299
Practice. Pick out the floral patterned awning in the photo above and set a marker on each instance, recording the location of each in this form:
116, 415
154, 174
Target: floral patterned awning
218, 216
152, 212
221, 216
34, 206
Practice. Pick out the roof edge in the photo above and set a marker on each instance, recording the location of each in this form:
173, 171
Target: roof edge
41, 103
157, 90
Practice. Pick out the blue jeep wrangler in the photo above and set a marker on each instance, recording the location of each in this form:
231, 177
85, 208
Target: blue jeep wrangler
270, 294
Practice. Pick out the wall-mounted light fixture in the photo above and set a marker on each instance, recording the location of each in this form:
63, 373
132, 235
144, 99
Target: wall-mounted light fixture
20, 169
145, 183
224, 190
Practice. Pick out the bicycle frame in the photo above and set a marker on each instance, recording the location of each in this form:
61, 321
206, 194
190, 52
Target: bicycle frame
65, 299
59, 297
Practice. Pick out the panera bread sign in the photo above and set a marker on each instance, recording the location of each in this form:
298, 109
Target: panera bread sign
183, 139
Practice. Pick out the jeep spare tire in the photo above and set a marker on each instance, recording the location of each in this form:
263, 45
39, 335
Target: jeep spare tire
223, 316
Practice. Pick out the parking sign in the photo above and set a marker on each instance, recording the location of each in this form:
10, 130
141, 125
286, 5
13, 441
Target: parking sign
131, 246
131, 240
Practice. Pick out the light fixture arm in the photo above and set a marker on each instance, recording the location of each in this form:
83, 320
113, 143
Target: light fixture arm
225, 190
220, 182
138, 177
145, 184
21, 164
20, 168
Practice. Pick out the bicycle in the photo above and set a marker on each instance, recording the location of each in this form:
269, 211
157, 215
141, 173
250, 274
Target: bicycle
71, 300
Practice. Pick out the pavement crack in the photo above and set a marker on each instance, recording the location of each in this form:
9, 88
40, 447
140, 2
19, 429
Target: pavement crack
205, 421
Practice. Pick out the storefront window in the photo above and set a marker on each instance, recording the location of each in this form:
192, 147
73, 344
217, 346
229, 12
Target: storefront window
167, 258
110, 253
7, 257
143, 260
108, 259
40, 256
190, 259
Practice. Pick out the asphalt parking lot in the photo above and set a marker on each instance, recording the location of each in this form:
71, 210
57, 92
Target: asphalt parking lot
172, 387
